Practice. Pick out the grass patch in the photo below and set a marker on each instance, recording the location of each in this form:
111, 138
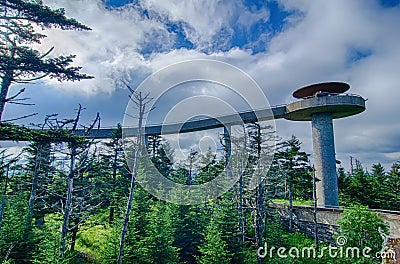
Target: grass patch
295, 202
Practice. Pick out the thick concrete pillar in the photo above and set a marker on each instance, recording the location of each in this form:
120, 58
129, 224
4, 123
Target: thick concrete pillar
324, 160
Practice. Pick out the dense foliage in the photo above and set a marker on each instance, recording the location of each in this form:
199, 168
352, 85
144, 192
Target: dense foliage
63, 198
376, 189
229, 229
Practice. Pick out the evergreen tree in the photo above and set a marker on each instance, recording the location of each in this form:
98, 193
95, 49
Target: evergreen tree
190, 164
39, 173
137, 249
115, 171
39, 166
255, 170
227, 220
160, 157
393, 187
180, 175
359, 182
6, 164
189, 225
209, 168
379, 187
383, 187
343, 185
48, 244
294, 163
141, 102
12, 246
160, 234
20, 62
213, 248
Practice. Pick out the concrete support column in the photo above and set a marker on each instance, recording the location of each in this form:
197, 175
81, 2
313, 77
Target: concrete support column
324, 160
227, 139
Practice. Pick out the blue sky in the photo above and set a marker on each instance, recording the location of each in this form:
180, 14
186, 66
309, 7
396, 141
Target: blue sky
282, 44
252, 36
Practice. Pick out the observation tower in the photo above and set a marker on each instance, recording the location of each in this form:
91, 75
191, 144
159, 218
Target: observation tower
321, 103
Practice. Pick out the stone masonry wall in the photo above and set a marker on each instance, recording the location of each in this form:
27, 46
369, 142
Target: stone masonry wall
327, 219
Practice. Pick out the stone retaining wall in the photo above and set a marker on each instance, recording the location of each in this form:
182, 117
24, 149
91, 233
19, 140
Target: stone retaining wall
327, 219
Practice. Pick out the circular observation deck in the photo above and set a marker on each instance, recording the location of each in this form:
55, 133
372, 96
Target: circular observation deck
324, 98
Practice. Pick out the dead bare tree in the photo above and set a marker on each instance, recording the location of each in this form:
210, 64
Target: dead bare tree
74, 151
237, 166
253, 190
140, 101
315, 209
42, 151
5, 162
116, 152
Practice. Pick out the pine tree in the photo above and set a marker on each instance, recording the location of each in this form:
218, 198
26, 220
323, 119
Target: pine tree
6, 163
227, 219
294, 163
379, 187
189, 225
39, 165
115, 168
214, 248
393, 187
20, 62
12, 246
209, 169
160, 234
160, 157
190, 164
359, 182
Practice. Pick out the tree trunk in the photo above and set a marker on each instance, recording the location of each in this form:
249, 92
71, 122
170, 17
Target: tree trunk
5, 86
74, 234
68, 201
114, 181
142, 106
126, 219
70, 185
315, 211
111, 215
35, 180
259, 228
3, 202
291, 203
241, 211
259, 193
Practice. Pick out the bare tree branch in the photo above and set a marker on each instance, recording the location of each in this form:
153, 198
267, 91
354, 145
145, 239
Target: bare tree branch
18, 118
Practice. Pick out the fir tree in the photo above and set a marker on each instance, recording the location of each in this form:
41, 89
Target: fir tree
393, 187
20, 62
214, 248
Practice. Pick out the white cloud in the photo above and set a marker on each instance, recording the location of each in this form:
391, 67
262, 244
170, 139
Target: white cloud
203, 20
111, 50
318, 47
316, 44
114, 48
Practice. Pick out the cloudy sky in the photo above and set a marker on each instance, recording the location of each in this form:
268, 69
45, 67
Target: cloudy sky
282, 45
